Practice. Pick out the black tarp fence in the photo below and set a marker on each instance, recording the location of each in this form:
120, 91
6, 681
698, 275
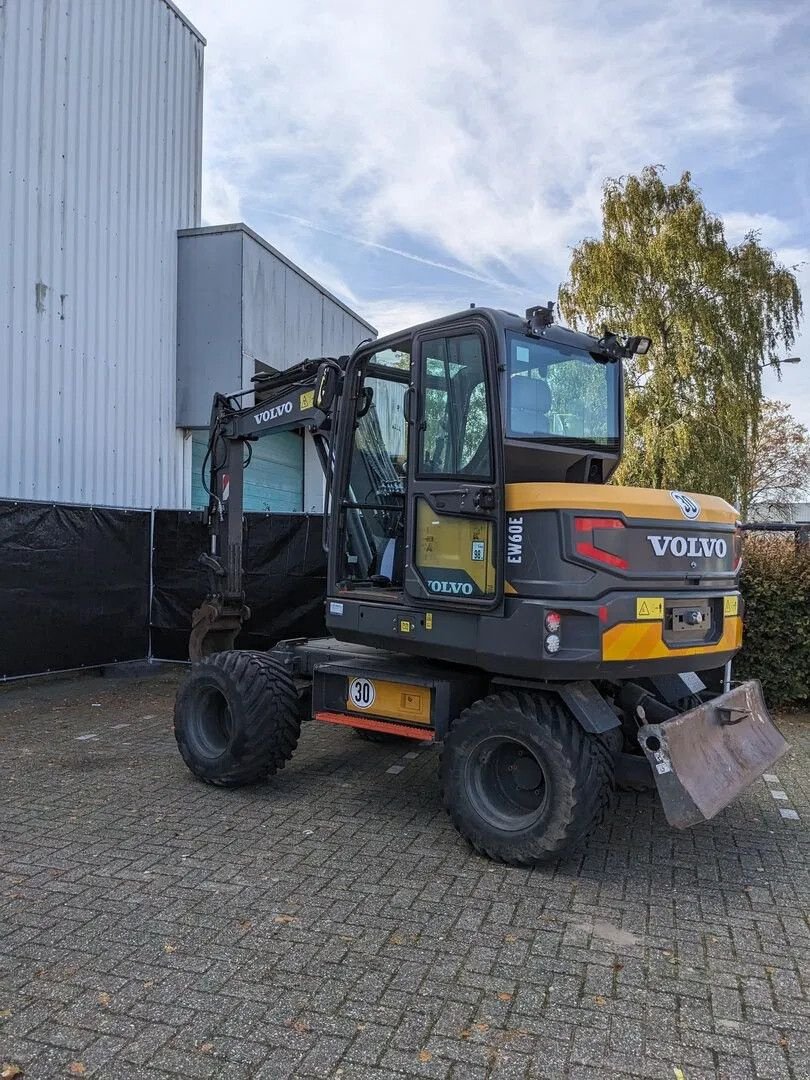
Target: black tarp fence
84, 586
284, 573
74, 586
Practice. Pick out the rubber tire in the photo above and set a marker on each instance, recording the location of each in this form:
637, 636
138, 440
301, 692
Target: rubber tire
577, 767
265, 718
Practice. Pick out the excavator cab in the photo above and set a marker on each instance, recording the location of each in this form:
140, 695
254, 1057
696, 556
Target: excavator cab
486, 588
448, 415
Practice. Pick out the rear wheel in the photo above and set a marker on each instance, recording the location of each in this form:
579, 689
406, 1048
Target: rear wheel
521, 780
237, 718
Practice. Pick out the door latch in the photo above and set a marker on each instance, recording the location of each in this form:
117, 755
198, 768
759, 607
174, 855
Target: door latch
484, 499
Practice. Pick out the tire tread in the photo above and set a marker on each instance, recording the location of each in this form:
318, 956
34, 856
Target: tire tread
269, 707
590, 788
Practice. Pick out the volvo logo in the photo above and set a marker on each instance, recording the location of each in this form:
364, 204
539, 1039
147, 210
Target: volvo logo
274, 413
688, 507
689, 547
457, 588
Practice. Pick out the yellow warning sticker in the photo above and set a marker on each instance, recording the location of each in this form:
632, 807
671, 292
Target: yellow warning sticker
404, 626
307, 400
428, 620
731, 605
649, 607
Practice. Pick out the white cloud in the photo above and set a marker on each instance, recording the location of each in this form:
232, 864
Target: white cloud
485, 132
772, 230
221, 202
477, 136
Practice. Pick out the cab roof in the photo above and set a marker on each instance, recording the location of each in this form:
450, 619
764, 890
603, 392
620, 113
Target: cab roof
501, 320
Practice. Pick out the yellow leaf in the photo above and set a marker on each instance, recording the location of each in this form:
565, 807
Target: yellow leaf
170, 947
511, 938
76, 1068
300, 1027
104, 999
246, 924
678, 1073
206, 1048
600, 1000
5, 1014
425, 1055
503, 996
284, 920
480, 1026
9, 1071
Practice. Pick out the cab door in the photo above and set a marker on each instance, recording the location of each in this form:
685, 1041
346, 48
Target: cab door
453, 555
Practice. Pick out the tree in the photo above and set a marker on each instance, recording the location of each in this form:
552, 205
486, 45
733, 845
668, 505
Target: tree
777, 463
717, 314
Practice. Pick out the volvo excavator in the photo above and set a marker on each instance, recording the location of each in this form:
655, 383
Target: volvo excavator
487, 589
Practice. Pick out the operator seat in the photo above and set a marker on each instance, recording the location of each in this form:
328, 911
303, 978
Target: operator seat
530, 401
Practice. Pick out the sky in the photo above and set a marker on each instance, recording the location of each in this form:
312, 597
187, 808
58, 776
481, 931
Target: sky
419, 157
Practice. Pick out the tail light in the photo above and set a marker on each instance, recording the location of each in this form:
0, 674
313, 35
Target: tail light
589, 528
553, 623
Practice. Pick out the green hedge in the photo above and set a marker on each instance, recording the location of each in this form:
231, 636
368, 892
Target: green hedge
776, 643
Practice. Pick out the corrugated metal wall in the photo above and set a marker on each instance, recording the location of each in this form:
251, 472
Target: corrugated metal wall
100, 152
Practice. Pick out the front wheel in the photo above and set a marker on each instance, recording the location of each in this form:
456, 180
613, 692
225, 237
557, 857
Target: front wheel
237, 718
521, 780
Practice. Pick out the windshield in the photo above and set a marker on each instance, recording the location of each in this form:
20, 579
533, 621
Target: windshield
561, 394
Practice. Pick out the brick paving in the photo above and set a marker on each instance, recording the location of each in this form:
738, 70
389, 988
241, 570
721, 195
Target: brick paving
332, 924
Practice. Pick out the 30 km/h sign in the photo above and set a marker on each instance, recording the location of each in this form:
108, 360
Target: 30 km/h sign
361, 693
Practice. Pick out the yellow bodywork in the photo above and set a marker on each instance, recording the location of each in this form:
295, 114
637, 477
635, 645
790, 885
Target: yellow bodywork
397, 701
644, 641
448, 542
631, 501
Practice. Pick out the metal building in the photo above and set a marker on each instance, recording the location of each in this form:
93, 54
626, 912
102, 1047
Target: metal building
100, 155
243, 307
100, 163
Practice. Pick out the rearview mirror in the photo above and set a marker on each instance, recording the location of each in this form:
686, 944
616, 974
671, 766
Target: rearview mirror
325, 387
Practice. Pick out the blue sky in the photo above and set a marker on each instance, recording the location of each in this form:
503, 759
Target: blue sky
418, 157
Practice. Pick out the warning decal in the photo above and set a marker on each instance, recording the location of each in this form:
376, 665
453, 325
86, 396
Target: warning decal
650, 607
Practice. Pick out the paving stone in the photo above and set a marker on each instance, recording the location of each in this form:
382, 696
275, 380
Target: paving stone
332, 924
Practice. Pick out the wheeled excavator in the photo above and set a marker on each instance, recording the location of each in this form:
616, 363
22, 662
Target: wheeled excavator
486, 588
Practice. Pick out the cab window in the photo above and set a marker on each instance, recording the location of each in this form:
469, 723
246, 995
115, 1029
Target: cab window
456, 437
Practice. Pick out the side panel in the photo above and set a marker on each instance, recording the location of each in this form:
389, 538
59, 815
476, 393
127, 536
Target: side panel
454, 555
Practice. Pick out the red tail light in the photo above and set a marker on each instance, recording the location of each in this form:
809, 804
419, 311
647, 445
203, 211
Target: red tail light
589, 549
589, 524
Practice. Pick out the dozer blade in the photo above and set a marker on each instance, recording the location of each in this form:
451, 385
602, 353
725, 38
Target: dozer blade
703, 759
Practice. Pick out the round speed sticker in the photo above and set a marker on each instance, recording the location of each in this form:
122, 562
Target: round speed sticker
361, 693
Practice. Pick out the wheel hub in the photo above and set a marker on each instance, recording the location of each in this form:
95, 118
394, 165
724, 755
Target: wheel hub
505, 783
